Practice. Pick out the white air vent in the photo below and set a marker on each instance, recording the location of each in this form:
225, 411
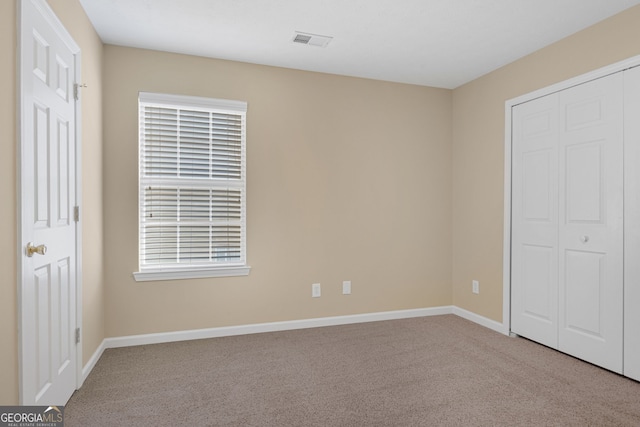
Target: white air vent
311, 39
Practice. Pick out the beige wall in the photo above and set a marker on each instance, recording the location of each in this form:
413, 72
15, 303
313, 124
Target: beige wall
8, 290
348, 179
478, 148
74, 19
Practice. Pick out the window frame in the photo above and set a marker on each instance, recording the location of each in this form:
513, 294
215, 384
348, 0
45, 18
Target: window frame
186, 271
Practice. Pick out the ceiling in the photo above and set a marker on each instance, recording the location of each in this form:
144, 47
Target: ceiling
440, 43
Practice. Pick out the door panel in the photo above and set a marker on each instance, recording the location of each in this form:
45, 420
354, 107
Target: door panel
583, 170
42, 283
585, 283
41, 167
591, 212
63, 79
534, 292
538, 264
583, 113
537, 166
62, 183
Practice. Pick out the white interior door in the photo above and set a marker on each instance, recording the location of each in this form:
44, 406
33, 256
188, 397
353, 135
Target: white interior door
591, 228
48, 193
632, 224
534, 294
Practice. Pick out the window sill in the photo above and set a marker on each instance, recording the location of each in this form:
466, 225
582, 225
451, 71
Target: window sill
153, 275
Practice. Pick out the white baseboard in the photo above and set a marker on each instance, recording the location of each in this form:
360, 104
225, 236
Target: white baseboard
226, 331
86, 370
481, 320
131, 340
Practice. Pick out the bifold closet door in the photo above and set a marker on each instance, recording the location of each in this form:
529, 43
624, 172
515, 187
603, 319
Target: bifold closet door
534, 234
632, 224
591, 222
567, 212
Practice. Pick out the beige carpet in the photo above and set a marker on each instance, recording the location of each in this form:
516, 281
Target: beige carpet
429, 371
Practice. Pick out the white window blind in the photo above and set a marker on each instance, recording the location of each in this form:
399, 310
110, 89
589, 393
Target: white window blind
192, 185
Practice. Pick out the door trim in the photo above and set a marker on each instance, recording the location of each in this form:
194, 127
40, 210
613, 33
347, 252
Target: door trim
509, 104
632, 224
42, 7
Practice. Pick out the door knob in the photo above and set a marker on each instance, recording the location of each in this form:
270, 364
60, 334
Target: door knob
40, 249
584, 239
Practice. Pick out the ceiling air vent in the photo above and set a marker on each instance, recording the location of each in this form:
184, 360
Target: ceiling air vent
311, 39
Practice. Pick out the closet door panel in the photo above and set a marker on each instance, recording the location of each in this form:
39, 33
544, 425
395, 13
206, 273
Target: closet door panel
534, 309
632, 224
591, 222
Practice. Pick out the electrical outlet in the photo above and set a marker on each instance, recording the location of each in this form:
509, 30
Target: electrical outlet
346, 287
315, 290
475, 286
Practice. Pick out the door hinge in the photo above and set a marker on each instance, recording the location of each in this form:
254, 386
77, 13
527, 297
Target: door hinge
77, 335
76, 213
76, 90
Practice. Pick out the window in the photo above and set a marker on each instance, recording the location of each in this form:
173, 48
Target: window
192, 187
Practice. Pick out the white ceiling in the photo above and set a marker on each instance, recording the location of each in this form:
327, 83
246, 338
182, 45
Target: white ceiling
441, 43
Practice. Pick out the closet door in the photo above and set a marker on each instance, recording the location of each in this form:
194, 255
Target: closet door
591, 222
632, 224
534, 257
567, 221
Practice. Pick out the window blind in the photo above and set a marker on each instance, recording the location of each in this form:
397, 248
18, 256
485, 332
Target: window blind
192, 182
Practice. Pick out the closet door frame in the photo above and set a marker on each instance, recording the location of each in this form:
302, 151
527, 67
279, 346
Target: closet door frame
631, 337
630, 183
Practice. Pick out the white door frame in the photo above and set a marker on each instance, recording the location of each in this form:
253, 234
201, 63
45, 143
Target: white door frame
632, 225
509, 104
45, 10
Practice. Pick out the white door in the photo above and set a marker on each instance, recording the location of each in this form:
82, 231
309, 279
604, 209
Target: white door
591, 221
48, 193
534, 294
567, 221
632, 224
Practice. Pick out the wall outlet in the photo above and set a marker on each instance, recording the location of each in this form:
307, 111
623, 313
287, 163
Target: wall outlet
346, 287
475, 286
315, 290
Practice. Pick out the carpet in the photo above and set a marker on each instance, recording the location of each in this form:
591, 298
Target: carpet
430, 371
